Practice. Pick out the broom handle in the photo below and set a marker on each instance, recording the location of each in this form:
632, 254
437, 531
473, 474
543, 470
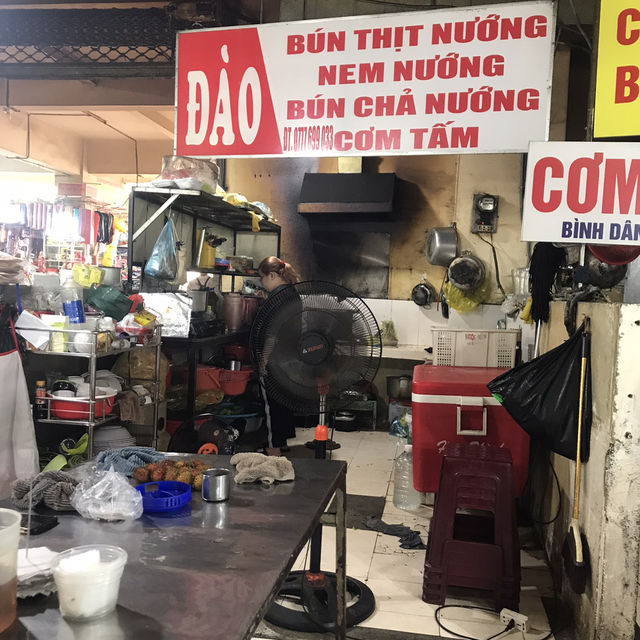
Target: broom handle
583, 370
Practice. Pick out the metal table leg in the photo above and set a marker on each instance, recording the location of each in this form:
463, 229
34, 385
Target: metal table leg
192, 365
341, 558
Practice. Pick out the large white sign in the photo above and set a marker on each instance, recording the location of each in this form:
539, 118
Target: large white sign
471, 80
582, 192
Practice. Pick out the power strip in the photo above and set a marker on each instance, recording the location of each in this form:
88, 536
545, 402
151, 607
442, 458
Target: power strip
522, 621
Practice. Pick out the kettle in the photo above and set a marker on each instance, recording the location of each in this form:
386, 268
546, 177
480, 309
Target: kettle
239, 311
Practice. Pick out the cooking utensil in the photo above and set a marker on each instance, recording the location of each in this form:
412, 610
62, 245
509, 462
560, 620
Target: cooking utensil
64, 385
345, 421
576, 562
399, 386
442, 245
603, 274
215, 485
239, 311
198, 300
111, 276
423, 295
467, 272
444, 306
614, 253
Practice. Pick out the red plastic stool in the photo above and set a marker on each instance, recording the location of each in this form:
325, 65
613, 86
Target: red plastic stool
473, 536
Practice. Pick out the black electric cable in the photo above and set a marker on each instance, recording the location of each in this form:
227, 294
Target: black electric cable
495, 262
557, 514
436, 614
579, 25
408, 5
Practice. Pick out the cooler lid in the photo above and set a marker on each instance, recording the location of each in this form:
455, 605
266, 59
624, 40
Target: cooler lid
460, 381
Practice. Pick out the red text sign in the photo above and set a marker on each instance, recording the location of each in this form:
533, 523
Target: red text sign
447, 81
583, 192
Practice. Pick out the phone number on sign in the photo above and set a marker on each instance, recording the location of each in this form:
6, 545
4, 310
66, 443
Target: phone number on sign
314, 138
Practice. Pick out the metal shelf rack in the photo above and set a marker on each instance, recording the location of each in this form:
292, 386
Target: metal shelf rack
198, 207
93, 355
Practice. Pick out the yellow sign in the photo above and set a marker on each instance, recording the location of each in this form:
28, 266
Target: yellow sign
617, 108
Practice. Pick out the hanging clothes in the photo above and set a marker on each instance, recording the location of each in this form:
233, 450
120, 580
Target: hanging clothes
18, 449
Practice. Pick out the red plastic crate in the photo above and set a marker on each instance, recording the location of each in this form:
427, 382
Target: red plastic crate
453, 404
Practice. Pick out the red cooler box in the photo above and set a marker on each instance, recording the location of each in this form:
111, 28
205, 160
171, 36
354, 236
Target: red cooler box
453, 404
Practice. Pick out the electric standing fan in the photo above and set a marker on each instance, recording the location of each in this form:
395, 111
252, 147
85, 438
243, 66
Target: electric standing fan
312, 342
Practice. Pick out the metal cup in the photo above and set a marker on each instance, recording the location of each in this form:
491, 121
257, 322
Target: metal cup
215, 485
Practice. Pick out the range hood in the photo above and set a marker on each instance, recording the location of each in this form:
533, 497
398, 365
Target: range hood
357, 193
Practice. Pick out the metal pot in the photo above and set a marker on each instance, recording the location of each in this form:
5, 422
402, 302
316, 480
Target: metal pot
399, 386
602, 274
442, 245
111, 276
345, 421
199, 300
467, 272
423, 295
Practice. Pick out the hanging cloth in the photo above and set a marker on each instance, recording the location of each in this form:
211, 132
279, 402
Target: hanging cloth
18, 449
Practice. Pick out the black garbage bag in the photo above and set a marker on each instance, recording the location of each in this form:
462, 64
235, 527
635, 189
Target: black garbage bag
542, 396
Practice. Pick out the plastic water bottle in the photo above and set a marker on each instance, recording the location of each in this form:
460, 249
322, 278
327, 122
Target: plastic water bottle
73, 307
404, 494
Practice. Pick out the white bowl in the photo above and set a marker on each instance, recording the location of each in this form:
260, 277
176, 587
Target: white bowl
63, 393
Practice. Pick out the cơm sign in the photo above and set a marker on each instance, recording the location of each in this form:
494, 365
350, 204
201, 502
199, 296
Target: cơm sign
582, 192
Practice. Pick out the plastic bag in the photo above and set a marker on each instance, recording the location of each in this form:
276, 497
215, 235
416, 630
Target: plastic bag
163, 263
401, 426
14, 270
184, 172
465, 301
542, 396
107, 495
111, 301
388, 334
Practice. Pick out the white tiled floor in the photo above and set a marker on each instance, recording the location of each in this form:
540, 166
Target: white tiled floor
394, 574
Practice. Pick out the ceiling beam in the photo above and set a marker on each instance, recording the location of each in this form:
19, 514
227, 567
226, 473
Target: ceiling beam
164, 124
94, 95
117, 157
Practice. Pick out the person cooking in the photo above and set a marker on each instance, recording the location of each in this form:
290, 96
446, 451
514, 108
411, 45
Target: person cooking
276, 275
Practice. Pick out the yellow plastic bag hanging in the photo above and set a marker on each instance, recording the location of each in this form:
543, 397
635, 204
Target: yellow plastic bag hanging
86, 275
465, 301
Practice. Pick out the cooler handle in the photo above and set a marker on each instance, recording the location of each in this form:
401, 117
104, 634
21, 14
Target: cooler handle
476, 402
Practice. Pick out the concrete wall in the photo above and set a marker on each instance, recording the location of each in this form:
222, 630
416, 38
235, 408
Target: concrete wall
433, 191
610, 502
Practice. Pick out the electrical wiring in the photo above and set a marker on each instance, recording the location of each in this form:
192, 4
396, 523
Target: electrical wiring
408, 5
559, 509
579, 25
495, 262
510, 626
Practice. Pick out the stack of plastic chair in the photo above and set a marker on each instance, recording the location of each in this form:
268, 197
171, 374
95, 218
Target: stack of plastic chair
473, 537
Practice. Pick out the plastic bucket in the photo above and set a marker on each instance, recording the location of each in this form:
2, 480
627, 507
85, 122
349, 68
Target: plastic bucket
9, 537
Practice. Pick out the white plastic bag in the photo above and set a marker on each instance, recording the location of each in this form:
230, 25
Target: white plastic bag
107, 495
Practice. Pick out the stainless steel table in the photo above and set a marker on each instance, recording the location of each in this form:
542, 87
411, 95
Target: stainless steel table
210, 570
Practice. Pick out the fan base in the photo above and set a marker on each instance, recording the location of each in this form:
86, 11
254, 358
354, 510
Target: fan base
316, 605
332, 445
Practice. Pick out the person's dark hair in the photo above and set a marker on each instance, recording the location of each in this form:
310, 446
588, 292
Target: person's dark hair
272, 264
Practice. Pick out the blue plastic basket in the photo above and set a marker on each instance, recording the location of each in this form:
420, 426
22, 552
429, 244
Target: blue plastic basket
165, 495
